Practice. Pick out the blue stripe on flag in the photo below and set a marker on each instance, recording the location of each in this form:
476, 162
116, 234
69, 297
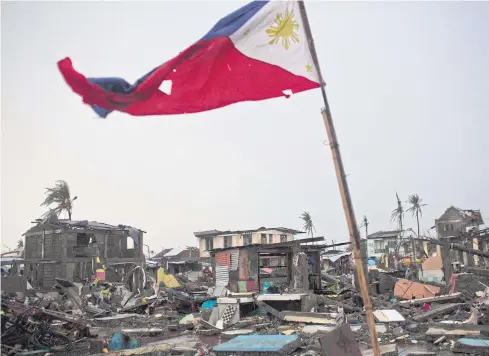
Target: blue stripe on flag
115, 85
224, 28
232, 22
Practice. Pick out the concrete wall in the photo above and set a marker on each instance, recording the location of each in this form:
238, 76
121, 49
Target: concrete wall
376, 247
202, 250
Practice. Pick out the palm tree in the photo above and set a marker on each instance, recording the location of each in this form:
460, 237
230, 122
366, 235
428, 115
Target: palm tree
59, 195
20, 243
415, 208
397, 214
365, 224
308, 225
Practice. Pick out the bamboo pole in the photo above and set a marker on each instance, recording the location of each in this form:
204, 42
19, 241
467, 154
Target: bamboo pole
343, 186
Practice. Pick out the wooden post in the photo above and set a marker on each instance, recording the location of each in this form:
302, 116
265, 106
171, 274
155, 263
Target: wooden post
475, 246
470, 257
106, 235
446, 261
343, 187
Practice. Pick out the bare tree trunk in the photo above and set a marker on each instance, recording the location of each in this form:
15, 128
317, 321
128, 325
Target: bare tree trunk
414, 243
417, 219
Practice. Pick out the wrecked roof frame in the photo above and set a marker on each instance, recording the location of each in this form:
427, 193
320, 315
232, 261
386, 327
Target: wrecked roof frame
211, 233
80, 226
277, 245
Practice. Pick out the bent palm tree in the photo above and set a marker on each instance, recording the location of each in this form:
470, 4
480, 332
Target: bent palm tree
308, 225
365, 224
415, 208
59, 195
397, 214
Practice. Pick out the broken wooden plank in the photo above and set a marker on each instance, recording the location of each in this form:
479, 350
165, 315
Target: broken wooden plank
451, 333
388, 316
472, 346
478, 271
441, 298
313, 318
439, 340
444, 309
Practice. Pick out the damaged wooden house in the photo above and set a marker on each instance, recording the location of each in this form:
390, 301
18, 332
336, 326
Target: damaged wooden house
74, 250
292, 266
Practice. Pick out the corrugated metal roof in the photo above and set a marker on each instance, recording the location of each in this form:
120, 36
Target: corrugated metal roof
162, 253
175, 251
383, 234
334, 258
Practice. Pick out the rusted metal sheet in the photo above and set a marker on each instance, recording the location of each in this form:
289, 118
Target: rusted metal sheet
222, 259
251, 286
243, 265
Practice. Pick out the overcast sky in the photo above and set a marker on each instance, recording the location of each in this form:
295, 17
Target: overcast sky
408, 86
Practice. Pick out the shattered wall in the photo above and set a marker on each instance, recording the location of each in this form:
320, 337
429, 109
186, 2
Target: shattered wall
468, 284
69, 253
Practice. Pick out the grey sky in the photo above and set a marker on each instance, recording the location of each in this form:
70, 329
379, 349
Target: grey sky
407, 84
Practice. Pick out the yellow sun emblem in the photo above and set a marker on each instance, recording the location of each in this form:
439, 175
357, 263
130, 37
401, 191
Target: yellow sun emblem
284, 29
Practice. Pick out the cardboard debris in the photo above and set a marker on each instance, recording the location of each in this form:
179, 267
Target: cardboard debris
421, 301
439, 331
388, 316
405, 289
312, 318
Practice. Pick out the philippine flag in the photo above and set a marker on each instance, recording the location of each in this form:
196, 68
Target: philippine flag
258, 52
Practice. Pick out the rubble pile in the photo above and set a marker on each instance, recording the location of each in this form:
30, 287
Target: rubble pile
161, 313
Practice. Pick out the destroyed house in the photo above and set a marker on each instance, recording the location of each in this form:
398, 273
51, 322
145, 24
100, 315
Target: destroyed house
215, 239
382, 242
455, 222
68, 249
269, 268
179, 259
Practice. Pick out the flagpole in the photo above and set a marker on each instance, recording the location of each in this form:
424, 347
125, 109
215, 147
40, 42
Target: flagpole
343, 186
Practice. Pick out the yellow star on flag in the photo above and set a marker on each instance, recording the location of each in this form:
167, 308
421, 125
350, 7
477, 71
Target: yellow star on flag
308, 68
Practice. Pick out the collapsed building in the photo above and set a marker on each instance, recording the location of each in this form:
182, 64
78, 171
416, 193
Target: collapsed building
74, 250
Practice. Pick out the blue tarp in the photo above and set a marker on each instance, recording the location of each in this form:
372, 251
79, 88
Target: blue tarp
256, 343
209, 304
